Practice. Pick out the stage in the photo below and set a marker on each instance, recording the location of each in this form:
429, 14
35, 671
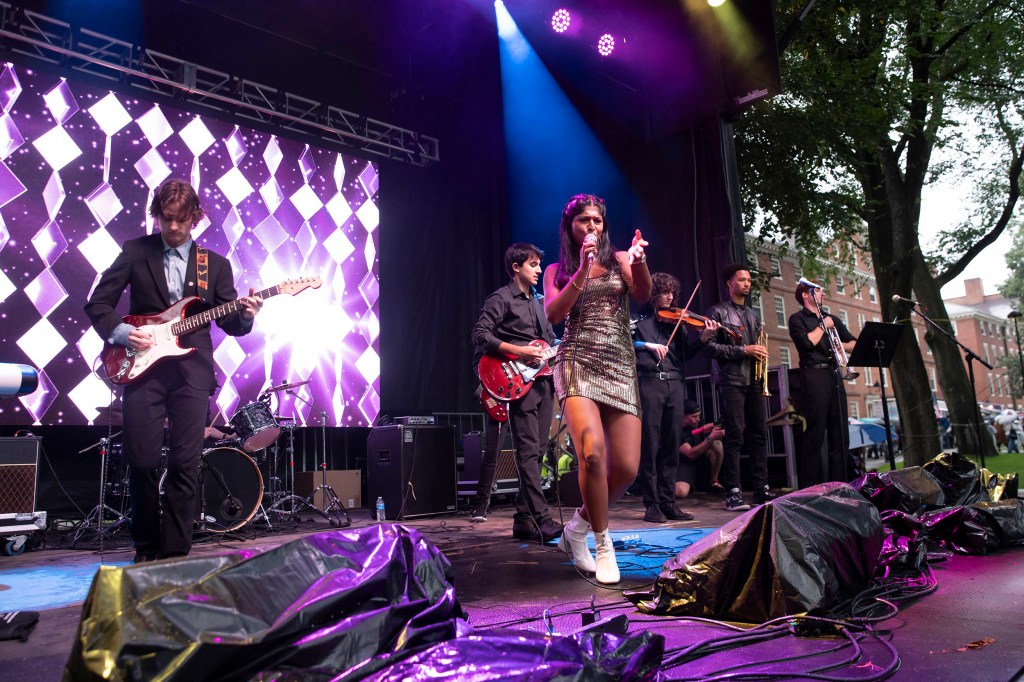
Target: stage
969, 628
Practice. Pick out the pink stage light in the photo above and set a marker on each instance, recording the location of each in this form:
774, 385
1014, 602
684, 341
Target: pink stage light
560, 20
606, 44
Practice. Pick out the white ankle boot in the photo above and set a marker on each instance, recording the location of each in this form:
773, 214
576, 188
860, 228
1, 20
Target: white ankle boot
607, 567
574, 543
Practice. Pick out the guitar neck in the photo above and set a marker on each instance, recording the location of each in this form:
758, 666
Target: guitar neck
193, 322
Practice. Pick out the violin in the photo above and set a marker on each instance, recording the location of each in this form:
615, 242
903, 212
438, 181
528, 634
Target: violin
674, 315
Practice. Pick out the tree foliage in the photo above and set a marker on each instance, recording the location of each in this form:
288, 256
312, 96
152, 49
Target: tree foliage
883, 97
1013, 288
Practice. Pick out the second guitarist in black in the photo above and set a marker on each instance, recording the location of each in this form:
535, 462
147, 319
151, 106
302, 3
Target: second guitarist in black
510, 319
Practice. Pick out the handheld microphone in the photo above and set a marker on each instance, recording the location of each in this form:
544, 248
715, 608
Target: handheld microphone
899, 299
812, 285
591, 238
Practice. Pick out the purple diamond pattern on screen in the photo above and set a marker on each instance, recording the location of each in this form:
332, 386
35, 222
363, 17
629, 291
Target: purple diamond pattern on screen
50, 243
306, 219
61, 104
10, 88
10, 136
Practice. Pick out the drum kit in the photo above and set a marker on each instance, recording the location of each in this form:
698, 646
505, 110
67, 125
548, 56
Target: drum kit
230, 486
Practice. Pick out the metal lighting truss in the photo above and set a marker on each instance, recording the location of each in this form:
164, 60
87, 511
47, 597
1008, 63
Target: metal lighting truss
54, 41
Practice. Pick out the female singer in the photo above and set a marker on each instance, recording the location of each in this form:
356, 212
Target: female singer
595, 369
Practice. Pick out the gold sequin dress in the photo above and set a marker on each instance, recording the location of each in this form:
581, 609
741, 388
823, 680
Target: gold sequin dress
596, 359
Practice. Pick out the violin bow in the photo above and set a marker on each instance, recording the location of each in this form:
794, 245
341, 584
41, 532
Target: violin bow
680, 320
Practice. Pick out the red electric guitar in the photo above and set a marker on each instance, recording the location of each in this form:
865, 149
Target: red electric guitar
123, 365
497, 410
507, 377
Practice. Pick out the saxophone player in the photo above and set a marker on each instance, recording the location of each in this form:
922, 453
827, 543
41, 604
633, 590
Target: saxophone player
741, 398
822, 341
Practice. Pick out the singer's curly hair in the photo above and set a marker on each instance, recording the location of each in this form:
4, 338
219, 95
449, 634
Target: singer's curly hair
663, 283
176, 199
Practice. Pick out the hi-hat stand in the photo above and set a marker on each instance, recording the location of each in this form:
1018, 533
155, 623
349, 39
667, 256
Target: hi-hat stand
333, 510
94, 520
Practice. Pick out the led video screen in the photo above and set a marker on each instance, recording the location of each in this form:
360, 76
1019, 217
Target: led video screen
78, 166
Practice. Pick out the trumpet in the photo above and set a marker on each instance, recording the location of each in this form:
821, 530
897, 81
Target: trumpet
839, 354
761, 364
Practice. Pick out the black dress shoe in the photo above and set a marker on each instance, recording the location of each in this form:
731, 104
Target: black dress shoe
677, 514
550, 529
141, 558
654, 514
524, 530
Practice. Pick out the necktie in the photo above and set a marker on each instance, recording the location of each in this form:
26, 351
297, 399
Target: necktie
174, 268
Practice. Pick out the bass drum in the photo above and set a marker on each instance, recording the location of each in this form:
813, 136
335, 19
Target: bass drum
232, 485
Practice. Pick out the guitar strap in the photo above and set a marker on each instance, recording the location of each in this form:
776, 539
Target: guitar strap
202, 270
542, 318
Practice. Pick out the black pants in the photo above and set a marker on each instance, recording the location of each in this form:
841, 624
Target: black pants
825, 411
745, 420
529, 421
661, 435
160, 394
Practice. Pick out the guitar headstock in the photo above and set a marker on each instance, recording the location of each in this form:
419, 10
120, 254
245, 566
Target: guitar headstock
294, 286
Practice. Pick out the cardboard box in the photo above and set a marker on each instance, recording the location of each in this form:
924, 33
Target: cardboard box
347, 484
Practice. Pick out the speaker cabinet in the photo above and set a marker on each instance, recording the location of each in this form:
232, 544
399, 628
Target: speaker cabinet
506, 477
413, 469
19, 465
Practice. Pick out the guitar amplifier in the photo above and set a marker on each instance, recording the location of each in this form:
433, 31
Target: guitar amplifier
413, 469
19, 466
506, 476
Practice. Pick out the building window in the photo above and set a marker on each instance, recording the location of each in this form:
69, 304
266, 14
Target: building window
983, 330
854, 409
872, 295
776, 267
844, 317
931, 375
840, 284
860, 321
868, 379
952, 323
825, 309
780, 311
856, 292
755, 303
784, 354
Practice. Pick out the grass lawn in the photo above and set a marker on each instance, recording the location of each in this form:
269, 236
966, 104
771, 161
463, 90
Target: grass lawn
1000, 464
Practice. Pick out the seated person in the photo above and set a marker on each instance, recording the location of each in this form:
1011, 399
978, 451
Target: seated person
699, 440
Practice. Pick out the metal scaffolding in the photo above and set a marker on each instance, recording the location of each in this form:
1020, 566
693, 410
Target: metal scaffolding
57, 42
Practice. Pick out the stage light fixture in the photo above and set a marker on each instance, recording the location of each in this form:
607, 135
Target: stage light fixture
716, 3
560, 20
606, 44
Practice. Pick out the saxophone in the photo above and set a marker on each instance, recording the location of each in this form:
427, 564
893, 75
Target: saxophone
761, 364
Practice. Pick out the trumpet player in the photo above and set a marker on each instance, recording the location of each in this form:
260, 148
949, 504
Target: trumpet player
823, 342
741, 397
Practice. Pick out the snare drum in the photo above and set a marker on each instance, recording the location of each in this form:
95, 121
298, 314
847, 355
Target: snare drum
255, 426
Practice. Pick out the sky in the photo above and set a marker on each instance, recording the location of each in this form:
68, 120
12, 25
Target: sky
941, 208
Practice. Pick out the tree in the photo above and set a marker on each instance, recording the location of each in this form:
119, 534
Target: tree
1013, 288
881, 98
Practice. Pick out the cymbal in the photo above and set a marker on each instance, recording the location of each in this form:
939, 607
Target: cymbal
287, 387
112, 409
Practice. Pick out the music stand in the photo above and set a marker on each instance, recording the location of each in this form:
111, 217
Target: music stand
875, 347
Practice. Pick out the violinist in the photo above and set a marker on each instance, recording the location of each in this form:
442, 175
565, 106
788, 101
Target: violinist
663, 343
823, 393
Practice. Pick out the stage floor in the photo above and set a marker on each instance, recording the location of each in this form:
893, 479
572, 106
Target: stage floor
969, 629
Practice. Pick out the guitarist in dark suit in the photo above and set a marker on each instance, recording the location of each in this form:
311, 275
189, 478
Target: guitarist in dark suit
159, 270
510, 319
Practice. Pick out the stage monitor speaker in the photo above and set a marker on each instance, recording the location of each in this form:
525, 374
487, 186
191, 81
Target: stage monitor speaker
19, 466
413, 469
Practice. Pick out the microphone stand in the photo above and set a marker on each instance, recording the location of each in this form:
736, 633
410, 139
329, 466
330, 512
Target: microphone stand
970, 356
333, 508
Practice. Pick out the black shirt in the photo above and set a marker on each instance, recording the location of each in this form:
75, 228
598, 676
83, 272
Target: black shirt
801, 323
682, 349
508, 315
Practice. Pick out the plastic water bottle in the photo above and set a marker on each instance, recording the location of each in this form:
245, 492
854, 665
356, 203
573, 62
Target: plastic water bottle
381, 517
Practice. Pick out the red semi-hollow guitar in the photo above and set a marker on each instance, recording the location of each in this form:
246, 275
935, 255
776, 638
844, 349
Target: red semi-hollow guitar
507, 377
123, 364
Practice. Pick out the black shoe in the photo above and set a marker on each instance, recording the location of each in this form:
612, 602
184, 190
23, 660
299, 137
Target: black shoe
676, 514
550, 529
734, 501
141, 558
524, 530
654, 514
478, 515
763, 495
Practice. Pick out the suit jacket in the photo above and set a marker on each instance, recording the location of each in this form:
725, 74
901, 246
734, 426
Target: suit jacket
140, 268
